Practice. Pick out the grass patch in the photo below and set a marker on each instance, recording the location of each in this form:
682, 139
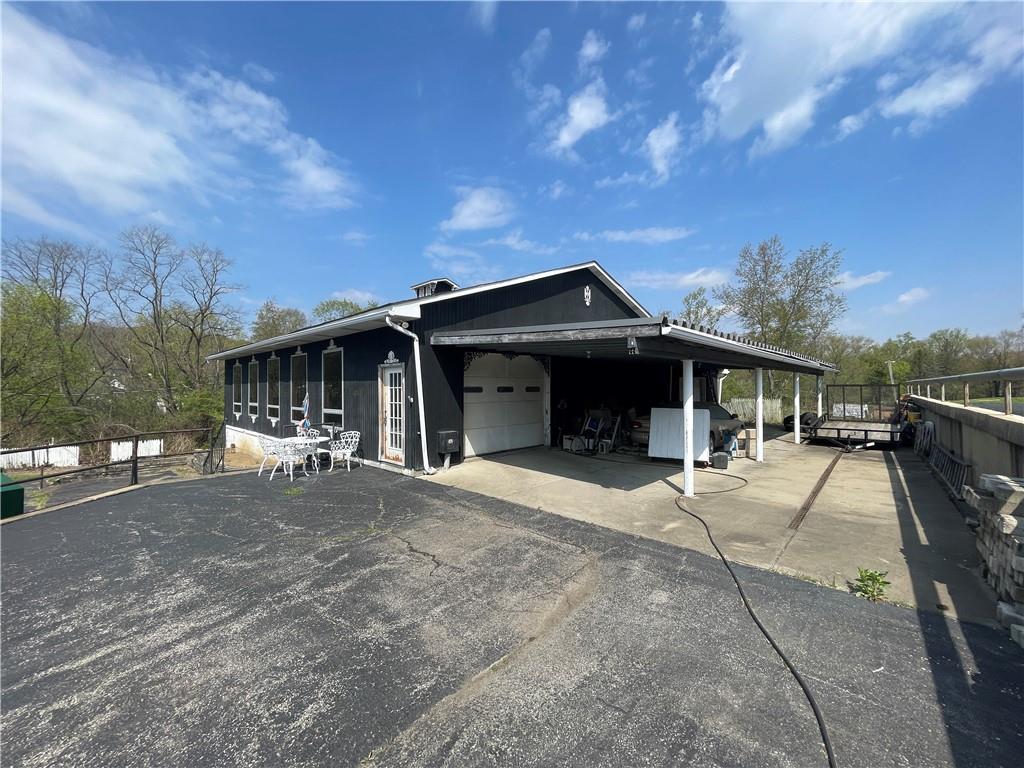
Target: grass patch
294, 490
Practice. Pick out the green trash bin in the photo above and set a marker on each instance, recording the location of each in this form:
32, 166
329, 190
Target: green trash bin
12, 497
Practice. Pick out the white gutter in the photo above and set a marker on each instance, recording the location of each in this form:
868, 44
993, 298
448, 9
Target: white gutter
419, 390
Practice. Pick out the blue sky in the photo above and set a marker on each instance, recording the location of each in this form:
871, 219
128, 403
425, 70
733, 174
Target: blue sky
355, 149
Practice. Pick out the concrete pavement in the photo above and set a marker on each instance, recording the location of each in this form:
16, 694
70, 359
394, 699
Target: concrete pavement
878, 510
365, 618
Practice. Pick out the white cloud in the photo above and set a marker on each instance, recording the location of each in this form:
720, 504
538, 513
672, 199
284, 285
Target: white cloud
636, 22
543, 98
85, 129
662, 146
788, 58
697, 21
887, 82
623, 179
850, 124
704, 276
480, 208
906, 300
464, 265
258, 73
536, 51
593, 49
555, 190
30, 210
356, 237
639, 76
515, 241
484, 13
648, 236
850, 282
359, 297
587, 111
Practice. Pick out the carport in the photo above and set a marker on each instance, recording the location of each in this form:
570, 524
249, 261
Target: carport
650, 339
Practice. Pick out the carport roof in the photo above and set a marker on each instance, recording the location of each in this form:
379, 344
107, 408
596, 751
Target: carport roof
642, 337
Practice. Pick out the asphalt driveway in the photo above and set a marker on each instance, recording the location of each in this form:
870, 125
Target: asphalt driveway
368, 618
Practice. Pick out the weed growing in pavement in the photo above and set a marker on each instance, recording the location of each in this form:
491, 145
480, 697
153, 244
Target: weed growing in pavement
870, 584
294, 490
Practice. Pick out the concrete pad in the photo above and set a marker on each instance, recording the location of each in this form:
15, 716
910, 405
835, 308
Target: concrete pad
879, 509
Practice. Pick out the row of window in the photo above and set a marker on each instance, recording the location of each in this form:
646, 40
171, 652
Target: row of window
503, 389
332, 387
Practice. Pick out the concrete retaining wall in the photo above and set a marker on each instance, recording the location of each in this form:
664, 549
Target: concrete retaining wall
992, 443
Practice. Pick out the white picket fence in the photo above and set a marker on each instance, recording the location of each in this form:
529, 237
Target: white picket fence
743, 407
65, 456
68, 456
119, 451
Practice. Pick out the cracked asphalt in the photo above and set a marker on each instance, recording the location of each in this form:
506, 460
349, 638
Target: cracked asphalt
385, 621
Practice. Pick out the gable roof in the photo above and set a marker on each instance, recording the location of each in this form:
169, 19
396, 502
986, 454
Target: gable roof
410, 310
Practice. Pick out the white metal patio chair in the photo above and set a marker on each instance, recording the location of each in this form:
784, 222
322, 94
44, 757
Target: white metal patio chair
343, 448
271, 450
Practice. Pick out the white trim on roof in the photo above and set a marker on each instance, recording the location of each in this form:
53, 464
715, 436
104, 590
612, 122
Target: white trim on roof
344, 326
593, 266
410, 310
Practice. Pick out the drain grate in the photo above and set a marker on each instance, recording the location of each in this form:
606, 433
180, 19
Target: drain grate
794, 524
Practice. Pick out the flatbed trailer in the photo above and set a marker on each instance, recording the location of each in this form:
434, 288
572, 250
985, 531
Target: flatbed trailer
858, 414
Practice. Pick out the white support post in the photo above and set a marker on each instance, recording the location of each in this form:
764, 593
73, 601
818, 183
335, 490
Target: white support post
928, 390
759, 412
1007, 398
817, 385
796, 408
942, 393
688, 428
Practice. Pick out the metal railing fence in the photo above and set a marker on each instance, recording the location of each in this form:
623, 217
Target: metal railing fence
96, 454
923, 387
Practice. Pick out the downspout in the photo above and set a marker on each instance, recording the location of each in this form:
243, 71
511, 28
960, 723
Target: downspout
419, 390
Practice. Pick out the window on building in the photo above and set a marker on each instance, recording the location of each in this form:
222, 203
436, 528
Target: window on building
334, 387
274, 388
254, 388
236, 389
298, 386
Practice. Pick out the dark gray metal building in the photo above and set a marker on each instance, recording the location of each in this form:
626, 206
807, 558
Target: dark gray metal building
469, 371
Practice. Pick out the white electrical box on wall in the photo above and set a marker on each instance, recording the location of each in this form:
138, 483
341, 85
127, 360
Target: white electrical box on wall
666, 440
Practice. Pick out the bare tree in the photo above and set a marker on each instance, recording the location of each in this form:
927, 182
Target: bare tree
140, 289
791, 303
203, 315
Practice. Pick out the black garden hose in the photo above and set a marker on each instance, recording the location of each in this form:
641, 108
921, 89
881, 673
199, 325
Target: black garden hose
764, 631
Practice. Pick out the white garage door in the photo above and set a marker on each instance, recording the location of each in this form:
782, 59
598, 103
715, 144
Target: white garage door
504, 404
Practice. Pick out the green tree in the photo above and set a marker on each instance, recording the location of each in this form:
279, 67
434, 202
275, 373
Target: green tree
698, 310
948, 348
274, 320
791, 302
335, 308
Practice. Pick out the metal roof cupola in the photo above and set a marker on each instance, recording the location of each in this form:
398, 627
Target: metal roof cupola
435, 285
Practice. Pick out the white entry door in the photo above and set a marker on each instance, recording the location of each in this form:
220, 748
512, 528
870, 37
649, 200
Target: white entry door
503, 402
392, 413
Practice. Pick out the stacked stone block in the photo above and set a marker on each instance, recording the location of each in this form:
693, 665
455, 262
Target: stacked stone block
999, 501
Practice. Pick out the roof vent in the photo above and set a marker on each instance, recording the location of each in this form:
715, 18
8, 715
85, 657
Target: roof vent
430, 287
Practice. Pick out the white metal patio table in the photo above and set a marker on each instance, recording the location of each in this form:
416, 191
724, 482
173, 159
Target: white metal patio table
312, 442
